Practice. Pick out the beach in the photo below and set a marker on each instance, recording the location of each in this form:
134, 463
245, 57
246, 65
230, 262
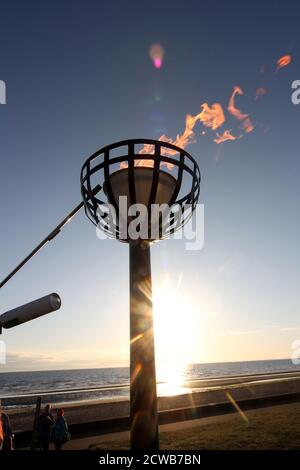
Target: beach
197, 393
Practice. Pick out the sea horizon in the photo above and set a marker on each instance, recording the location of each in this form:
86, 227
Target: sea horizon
127, 366
78, 385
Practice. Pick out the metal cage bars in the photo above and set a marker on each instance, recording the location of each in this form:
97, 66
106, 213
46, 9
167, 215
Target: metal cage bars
103, 161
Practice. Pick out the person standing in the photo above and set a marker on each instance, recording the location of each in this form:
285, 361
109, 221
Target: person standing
1, 434
46, 422
6, 435
60, 430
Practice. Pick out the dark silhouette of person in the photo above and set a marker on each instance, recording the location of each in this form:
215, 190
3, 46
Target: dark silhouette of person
6, 435
60, 430
46, 422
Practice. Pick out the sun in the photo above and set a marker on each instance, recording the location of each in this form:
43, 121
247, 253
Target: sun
173, 329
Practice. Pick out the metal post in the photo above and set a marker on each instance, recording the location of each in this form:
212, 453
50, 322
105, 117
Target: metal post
143, 400
36, 423
49, 237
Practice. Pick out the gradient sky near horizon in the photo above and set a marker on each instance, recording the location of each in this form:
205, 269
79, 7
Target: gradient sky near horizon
78, 77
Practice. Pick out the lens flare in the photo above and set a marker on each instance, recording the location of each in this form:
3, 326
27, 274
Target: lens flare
156, 53
175, 339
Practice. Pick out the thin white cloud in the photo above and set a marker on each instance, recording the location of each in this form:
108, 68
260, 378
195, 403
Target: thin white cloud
70, 359
284, 328
290, 328
209, 314
239, 333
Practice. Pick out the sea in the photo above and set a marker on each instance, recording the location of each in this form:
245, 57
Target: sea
18, 389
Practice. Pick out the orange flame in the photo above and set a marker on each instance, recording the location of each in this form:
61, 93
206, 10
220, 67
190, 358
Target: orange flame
212, 117
225, 136
148, 149
283, 61
231, 106
247, 124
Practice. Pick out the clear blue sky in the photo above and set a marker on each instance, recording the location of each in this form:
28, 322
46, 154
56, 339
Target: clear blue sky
78, 77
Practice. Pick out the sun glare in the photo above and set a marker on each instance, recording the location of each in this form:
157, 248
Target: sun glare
173, 336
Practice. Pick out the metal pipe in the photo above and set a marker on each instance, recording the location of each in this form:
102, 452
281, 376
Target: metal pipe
36, 423
143, 398
37, 308
48, 238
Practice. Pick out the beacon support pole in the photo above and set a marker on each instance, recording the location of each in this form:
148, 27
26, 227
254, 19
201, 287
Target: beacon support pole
143, 400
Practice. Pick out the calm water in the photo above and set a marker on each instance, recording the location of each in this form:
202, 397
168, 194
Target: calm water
23, 383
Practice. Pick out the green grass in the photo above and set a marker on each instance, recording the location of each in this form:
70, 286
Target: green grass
269, 428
